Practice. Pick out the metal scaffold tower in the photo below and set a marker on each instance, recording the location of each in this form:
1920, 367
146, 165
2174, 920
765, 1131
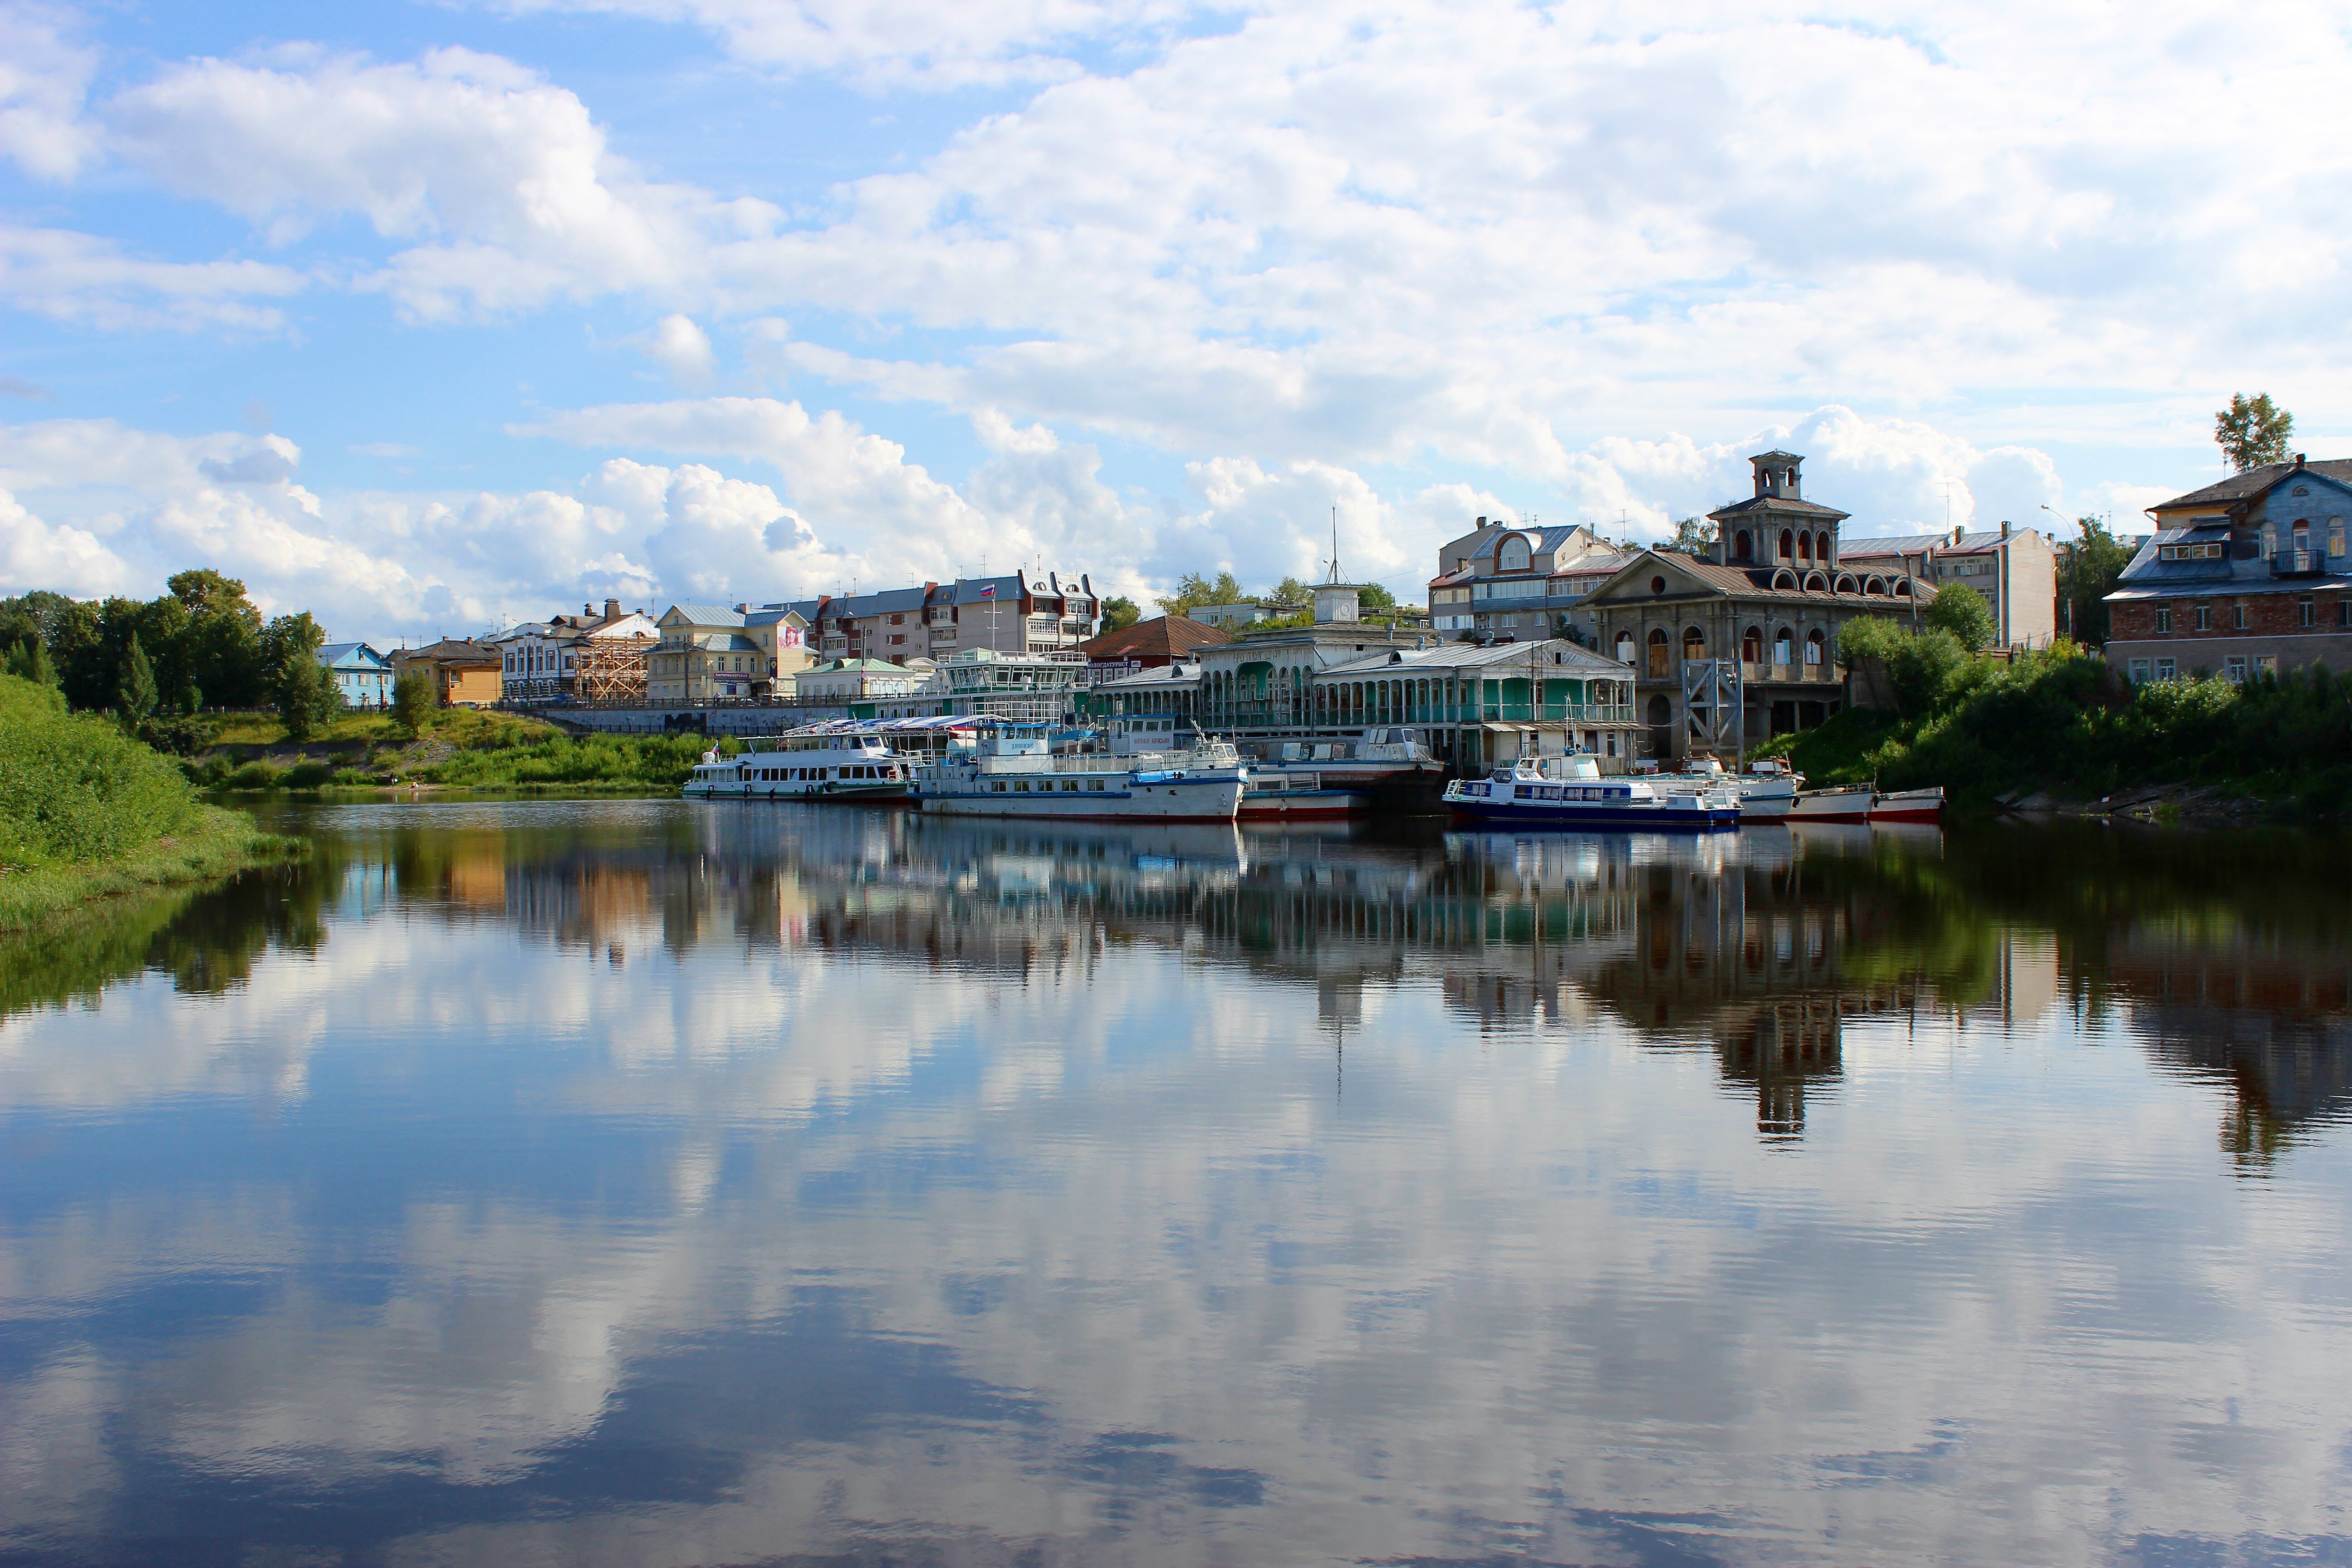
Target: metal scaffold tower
1717, 704
612, 671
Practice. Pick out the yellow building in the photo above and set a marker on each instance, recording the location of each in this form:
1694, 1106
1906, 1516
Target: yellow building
707, 654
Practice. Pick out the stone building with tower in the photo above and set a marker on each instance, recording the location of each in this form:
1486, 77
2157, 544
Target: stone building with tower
1738, 642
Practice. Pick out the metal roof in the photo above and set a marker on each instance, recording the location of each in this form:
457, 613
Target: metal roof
1554, 656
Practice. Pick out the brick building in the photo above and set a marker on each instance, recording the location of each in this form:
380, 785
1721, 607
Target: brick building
2245, 577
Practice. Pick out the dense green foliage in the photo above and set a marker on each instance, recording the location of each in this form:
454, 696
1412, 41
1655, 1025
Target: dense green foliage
77, 787
1119, 614
614, 762
2061, 720
203, 641
1961, 611
413, 703
2252, 431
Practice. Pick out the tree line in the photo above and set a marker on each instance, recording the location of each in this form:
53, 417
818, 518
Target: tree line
157, 664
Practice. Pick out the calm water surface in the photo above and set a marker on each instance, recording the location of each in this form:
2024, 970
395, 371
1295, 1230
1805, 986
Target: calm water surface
654, 1182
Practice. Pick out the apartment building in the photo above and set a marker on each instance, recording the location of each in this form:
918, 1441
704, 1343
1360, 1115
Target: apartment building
2246, 578
1019, 612
2014, 570
712, 653
1503, 583
543, 661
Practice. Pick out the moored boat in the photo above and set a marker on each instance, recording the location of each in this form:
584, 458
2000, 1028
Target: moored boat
1569, 792
1909, 806
828, 768
1014, 771
1844, 803
1766, 792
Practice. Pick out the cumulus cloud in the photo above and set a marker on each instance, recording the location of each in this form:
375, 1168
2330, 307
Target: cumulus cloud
45, 72
86, 278
683, 349
504, 179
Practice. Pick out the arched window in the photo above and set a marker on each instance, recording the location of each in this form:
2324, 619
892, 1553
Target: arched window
1660, 652
1813, 649
1822, 548
1784, 646
1744, 545
1693, 643
1511, 555
1625, 648
1751, 646
1804, 547
1817, 582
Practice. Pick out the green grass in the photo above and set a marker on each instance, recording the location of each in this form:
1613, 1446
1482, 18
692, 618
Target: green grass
594, 762
86, 812
461, 749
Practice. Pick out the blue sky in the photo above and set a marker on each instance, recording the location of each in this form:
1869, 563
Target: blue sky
463, 312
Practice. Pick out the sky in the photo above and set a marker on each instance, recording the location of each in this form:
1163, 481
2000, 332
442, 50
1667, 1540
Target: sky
430, 318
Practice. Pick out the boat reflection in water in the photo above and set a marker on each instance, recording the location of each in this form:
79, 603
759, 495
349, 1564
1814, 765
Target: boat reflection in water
686, 1183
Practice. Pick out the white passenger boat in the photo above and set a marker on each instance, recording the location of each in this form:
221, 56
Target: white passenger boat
1766, 791
827, 767
1012, 771
1569, 792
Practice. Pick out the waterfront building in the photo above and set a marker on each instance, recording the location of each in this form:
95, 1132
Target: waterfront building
1475, 706
847, 681
2245, 577
1511, 584
1262, 679
2014, 568
465, 672
1170, 692
1149, 644
362, 677
1014, 688
709, 653
1740, 643
587, 656
1018, 613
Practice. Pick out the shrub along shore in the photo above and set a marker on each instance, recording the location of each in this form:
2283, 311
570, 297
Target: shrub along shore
2060, 722
452, 748
90, 812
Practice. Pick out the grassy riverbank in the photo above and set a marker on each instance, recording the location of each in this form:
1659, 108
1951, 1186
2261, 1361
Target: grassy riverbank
88, 813
460, 749
2061, 723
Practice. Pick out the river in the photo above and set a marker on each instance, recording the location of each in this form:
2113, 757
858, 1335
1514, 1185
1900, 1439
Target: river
670, 1183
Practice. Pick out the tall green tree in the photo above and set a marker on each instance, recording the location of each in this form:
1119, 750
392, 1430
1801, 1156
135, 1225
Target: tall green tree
1693, 534
29, 661
2252, 431
1373, 599
1290, 594
1119, 614
413, 702
222, 656
135, 694
2088, 569
1961, 611
1193, 589
303, 689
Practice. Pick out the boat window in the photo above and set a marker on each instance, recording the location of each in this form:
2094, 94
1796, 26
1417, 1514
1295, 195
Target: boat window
998, 786
1094, 783
1021, 786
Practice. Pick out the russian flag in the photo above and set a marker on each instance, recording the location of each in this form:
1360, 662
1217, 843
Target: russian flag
988, 592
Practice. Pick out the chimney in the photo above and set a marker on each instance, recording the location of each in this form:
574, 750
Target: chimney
2298, 459
742, 609
1482, 522
585, 612
2004, 528
612, 609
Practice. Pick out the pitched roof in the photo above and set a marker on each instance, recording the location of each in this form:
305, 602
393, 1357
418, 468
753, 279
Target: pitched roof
1163, 637
1971, 541
1553, 656
707, 614
2252, 482
334, 653
1755, 582
1780, 504
451, 651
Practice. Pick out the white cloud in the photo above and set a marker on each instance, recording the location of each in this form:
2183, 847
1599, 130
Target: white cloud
82, 278
683, 349
43, 74
505, 178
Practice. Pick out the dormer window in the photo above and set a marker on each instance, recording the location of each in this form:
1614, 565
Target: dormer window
1512, 555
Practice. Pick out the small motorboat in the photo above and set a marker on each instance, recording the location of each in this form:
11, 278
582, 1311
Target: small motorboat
1909, 806
1766, 791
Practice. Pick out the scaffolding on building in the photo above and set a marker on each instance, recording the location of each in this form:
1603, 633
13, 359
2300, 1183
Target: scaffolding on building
612, 670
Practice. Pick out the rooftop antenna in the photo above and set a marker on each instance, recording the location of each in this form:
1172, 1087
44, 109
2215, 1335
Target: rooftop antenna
1334, 543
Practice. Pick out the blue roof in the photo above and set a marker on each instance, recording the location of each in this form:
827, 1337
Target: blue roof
356, 655
707, 614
